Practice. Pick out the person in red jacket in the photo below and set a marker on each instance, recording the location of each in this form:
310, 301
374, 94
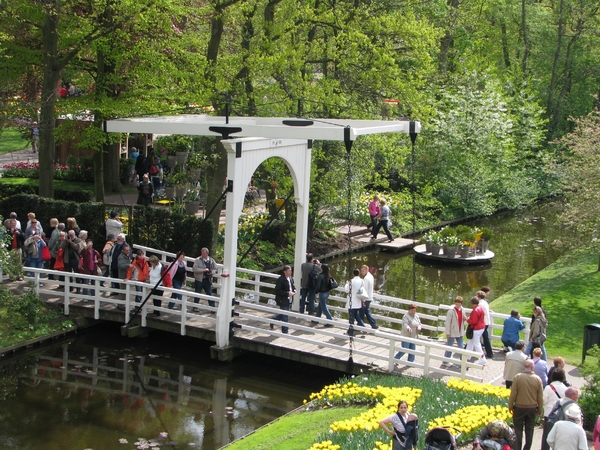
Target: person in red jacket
477, 322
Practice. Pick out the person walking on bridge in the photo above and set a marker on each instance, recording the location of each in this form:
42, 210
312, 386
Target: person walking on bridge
284, 296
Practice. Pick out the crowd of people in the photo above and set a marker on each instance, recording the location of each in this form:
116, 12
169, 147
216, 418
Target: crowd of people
64, 247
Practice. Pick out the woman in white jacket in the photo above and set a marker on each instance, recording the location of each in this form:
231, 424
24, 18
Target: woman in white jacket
411, 325
454, 327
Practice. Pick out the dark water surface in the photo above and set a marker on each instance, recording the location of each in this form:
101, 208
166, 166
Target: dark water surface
525, 242
91, 391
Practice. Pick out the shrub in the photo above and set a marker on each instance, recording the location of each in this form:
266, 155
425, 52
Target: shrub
74, 195
25, 317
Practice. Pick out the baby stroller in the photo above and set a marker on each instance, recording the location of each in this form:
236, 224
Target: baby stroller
441, 439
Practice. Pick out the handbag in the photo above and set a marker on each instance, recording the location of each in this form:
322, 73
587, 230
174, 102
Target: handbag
46, 256
332, 283
361, 294
469, 333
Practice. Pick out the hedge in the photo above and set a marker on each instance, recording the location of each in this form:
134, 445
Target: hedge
151, 227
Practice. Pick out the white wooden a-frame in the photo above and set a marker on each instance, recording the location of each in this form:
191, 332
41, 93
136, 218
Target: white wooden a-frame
243, 158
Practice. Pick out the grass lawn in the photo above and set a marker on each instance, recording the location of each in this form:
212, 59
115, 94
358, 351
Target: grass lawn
570, 293
296, 431
11, 140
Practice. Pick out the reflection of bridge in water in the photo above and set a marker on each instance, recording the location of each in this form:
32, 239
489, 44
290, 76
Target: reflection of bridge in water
248, 320
147, 388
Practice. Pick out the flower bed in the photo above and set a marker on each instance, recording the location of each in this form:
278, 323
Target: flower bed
462, 404
77, 172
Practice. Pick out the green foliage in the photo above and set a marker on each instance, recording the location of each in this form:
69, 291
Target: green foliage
469, 151
25, 317
582, 168
162, 229
590, 395
173, 144
8, 189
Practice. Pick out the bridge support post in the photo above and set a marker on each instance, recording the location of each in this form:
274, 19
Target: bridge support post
243, 158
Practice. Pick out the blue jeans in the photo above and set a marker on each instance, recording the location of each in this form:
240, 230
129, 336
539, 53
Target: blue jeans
365, 311
283, 317
354, 314
176, 285
529, 349
322, 309
449, 342
411, 357
206, 286
311, 294
33, 262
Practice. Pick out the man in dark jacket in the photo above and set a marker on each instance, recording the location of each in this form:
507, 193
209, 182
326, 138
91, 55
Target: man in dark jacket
284, 296
114, 265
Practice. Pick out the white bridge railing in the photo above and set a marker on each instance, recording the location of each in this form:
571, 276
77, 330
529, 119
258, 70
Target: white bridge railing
253, 290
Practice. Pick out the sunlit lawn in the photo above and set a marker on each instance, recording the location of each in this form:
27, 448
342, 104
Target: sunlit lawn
11, 140
570, 295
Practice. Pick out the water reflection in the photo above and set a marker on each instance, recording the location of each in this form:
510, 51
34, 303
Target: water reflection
97, 389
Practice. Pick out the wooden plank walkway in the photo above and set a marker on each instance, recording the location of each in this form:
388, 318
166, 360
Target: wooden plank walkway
362, 239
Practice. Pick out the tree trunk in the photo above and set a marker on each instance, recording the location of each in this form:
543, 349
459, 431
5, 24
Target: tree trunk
505, 46
554, 78
48, 101
525, 36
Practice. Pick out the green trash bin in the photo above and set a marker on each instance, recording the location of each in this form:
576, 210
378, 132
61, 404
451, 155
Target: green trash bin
591, 337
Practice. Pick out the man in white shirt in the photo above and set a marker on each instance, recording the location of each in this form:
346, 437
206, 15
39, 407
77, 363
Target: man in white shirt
487, 342
368, 284
568, 434
113, 225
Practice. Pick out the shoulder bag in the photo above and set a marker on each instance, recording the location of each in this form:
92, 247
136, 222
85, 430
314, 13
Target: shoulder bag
469, 333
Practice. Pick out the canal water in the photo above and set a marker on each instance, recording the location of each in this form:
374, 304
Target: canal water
94, 390
525, 242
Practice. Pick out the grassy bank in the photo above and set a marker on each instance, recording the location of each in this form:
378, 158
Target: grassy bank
570, 295
26, 316
11, 141
295, 431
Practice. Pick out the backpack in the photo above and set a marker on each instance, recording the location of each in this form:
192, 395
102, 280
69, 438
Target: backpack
557, 413
153, 169
312, 277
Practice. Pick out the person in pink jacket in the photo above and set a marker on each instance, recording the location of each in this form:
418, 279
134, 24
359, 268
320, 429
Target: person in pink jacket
373, 211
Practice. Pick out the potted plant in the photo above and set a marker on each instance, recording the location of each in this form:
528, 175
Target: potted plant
451, 245
446, 233
169, 185
192, 201
196, 161
436, 244
467, 240
486, 235
180, 182
427, 239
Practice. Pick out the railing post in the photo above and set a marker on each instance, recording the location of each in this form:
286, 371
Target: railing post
426, 362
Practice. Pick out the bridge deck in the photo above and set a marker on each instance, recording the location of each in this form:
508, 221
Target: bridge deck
308, 342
